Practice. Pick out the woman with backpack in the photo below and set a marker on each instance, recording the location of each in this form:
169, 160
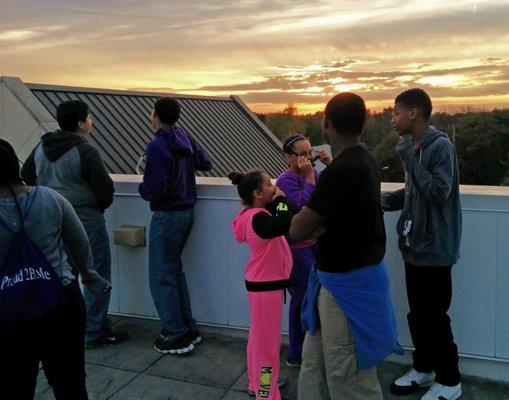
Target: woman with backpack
43, 246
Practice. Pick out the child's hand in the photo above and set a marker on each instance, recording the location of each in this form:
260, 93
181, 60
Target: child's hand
305, 166
324, 157
278, 193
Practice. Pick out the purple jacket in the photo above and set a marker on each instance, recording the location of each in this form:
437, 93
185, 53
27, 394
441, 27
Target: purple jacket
169, 181
296, 189
297, 192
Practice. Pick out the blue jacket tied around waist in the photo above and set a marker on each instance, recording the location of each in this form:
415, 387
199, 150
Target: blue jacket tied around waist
363, 295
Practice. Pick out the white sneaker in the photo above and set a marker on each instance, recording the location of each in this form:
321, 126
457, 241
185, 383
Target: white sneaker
442, 392
412, 381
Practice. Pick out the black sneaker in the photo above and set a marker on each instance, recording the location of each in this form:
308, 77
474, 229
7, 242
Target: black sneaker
181, 345
293, 362
107, 339
194, 335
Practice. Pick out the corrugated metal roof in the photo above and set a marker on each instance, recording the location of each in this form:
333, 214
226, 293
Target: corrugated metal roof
223, 126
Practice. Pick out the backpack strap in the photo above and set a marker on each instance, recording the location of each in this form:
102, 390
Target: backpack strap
28, 207
7, 227
18, 207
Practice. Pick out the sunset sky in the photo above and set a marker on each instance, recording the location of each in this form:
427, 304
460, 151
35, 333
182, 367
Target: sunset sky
269, 52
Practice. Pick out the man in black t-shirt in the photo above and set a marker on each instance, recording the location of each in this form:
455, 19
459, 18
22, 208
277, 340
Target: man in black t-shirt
345, 209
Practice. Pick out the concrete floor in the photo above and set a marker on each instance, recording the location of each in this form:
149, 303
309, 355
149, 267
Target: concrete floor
215, 370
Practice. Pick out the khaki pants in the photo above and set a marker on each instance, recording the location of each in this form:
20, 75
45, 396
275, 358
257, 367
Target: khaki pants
329, 367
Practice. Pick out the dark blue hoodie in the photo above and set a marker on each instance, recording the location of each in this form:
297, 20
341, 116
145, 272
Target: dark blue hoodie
169, 181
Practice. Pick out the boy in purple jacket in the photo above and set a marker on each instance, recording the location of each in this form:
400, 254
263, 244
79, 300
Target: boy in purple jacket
169, 184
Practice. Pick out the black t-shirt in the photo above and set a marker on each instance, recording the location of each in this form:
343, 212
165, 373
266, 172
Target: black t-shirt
347, 196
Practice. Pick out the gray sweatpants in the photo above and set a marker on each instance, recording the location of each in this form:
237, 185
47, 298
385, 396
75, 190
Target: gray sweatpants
329, 368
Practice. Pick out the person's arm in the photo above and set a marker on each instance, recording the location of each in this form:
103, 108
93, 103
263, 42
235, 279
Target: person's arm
202, 160
305, 225
28, 172
393, 201
76, 242
155, 177
269, 226
96, 175
434, 183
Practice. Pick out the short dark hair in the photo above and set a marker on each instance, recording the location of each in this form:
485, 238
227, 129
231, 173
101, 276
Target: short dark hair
167, 110
9, 165
246, 184
69, 113
416, 98
347, 113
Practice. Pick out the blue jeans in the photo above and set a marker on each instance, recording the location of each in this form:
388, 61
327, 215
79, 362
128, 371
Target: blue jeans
97, 308
169, 231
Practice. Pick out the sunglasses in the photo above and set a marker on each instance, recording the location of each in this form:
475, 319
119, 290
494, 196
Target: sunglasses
314, 156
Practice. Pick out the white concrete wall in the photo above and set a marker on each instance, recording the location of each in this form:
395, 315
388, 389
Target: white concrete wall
214, 266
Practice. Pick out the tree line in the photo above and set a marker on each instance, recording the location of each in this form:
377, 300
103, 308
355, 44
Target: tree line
481, 139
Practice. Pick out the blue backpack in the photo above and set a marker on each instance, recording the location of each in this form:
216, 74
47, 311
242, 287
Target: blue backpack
29, 285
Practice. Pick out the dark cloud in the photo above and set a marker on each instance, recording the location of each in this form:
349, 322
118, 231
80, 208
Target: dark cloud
373, 85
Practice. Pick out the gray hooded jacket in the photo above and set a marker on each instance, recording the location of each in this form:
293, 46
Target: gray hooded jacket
68, 164
430, 200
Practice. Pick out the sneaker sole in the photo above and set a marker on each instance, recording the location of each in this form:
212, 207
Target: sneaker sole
406, 390
456, 396
184, 350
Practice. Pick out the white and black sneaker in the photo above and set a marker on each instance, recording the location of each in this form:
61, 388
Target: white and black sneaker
181, 345
442, 392
194, 335
412, 381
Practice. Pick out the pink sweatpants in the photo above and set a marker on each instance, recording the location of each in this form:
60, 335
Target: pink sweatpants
264, 343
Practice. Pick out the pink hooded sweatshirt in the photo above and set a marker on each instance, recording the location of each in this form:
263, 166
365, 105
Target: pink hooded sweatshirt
271, 259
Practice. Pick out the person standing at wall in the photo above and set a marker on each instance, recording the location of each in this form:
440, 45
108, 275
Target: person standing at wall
262, 224
64, 161
429, 230
41, 223
347, 311
169, 183
298, 183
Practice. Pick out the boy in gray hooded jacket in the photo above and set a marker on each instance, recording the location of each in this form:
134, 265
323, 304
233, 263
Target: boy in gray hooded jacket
67, 163
429, 230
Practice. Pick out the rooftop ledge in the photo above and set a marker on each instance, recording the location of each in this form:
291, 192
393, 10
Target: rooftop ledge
386, 186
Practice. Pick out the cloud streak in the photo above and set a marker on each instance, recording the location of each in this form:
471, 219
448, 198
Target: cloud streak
268, 52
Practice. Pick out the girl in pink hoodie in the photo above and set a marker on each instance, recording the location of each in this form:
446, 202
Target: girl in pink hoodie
262, 224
